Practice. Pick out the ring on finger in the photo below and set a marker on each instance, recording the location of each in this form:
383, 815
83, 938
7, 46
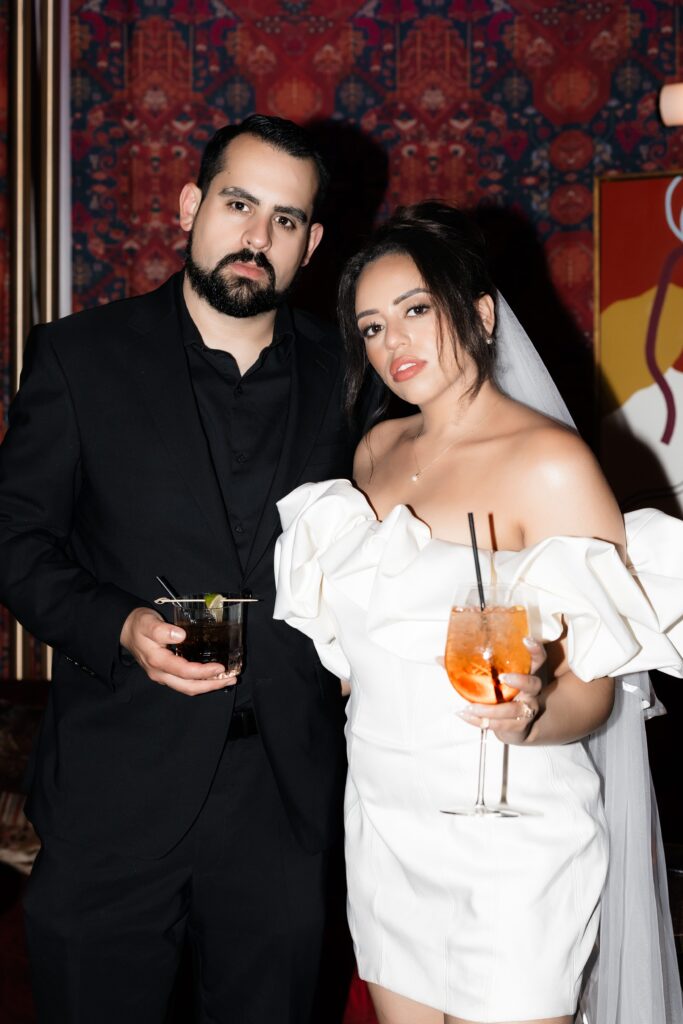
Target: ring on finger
527, 711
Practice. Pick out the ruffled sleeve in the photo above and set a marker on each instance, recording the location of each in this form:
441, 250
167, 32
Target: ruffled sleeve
620, 618
315, 517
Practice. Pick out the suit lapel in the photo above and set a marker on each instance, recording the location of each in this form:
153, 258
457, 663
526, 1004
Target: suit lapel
314, 371
157, 362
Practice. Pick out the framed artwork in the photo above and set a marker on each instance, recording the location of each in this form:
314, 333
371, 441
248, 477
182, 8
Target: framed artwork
639, 337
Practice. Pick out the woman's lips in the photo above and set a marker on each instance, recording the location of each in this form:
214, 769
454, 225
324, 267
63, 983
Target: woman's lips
406, 367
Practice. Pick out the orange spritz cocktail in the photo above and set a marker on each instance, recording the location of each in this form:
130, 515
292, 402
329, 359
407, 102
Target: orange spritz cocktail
483, 644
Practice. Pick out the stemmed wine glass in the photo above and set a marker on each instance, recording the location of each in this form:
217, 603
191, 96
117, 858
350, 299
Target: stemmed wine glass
486, 634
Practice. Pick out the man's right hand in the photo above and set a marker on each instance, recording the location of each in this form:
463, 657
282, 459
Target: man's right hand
145, 635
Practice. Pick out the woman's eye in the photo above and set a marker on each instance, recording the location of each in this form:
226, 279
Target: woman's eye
418, 310
370, 330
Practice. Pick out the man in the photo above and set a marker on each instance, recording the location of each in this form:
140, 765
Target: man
153, 437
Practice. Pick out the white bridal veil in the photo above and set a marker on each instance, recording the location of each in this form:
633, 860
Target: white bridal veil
633, 976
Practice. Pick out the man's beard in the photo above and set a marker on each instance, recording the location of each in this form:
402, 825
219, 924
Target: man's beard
239, 296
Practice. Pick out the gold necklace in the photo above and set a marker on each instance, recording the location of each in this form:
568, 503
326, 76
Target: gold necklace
465, 434
416, 476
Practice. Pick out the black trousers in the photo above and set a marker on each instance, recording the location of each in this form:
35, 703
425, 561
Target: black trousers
105, 932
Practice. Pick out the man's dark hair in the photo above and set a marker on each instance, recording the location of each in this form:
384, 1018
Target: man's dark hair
277, 132
448, 250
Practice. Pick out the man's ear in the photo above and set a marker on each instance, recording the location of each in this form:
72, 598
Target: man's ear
189, 203
315, 234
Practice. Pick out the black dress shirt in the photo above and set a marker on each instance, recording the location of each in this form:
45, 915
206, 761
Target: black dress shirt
243, 418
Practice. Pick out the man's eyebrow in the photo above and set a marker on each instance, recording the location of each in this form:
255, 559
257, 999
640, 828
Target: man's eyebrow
293, 211
241, 193
399, 298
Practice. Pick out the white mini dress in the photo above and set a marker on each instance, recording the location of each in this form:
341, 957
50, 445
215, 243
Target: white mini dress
487, 919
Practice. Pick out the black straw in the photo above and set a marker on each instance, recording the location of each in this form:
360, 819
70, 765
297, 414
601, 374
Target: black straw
475, 554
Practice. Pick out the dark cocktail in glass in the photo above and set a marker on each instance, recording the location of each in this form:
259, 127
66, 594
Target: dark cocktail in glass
213, 629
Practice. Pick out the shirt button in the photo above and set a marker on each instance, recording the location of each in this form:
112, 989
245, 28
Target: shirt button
239, 389
241, 456
238, 528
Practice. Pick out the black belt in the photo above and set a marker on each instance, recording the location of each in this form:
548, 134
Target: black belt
242, 724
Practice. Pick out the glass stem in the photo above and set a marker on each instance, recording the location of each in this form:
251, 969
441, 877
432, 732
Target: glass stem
480, 805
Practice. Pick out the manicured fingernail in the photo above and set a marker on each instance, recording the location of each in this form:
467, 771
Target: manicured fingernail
513, 678
175, 634
529, 642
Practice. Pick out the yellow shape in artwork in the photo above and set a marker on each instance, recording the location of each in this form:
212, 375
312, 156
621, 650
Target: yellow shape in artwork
623, 327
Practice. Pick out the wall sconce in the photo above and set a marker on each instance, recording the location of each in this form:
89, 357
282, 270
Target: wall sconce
671, 104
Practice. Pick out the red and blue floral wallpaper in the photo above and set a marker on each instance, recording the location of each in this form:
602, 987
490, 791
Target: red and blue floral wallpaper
510, 105
516, 104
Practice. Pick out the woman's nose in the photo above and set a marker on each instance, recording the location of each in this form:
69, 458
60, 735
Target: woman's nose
395, 336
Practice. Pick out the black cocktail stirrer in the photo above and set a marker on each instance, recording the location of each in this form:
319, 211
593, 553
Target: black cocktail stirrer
174, 595
475, 555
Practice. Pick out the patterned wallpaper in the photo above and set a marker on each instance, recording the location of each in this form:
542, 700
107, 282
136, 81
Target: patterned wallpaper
508, 105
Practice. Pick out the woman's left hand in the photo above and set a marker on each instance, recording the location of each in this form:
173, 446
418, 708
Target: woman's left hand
511, 722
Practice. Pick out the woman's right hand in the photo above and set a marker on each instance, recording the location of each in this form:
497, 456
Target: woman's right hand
511, 721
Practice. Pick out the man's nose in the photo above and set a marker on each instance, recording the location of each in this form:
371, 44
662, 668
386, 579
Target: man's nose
257, 233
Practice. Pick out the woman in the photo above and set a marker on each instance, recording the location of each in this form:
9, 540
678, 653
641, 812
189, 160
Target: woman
461, 919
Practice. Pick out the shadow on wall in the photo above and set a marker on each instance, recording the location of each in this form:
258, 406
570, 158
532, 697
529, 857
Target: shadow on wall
520, 270
359, 175
359, 170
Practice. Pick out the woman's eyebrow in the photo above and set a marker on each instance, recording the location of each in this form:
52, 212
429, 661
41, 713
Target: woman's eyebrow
399, 298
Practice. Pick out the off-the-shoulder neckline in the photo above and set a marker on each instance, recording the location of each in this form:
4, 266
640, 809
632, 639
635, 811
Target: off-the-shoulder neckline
463, 544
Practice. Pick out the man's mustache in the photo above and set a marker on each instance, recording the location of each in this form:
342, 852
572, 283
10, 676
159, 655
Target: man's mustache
247, 256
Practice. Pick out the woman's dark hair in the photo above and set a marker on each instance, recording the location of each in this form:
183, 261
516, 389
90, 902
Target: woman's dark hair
447, 248
277, 132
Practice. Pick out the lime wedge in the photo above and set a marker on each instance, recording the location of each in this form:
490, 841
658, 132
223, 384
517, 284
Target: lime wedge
213, 601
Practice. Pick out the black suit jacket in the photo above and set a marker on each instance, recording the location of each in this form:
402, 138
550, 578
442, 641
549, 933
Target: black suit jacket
106, 480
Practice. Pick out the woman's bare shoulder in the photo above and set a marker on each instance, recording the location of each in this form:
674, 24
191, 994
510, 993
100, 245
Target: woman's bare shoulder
555, 452
560, 486
379, 440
